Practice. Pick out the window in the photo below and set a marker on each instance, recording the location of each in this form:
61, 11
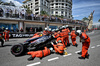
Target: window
56, 6
62, 6
31, 3
36, 9
52, 12
56, 3
31, 6
61, 12
28, 4
66, 15
37, 13
62, 3
56, 12
56, 0
36, 0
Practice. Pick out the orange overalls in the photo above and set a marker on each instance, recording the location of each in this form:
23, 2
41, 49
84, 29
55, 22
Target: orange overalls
6, 35
68, 35
85, 44
40, 53
59, 48
73, 37
65, 32
45, 32
61, 37
49, 32
56, 34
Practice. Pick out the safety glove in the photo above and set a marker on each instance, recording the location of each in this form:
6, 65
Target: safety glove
52, 43
65, 52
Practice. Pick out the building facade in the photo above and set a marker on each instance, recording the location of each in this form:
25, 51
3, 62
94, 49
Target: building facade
61, 8
38, 5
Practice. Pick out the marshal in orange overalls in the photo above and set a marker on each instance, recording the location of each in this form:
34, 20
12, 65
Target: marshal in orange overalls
6, 35
68, 35
40, 53
65, 37
73, 37
45, 32
85, 44
59, 48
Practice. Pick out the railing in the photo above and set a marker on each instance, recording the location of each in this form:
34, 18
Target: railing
41, 18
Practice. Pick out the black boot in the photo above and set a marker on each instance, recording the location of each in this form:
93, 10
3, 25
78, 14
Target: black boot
30, 58
87, 56
76, 45
41, 58
80, 53
81, 57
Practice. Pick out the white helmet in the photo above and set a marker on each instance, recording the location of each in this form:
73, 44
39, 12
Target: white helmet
51, 49
66, 26
59, 41
79, 32
53, 30
57, 29
45, 28
73, 28
6, 28
63, 26
49, 29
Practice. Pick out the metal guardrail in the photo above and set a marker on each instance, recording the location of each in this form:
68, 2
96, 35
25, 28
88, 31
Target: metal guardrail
45, 20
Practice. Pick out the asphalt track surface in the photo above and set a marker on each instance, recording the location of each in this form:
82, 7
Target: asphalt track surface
7, 59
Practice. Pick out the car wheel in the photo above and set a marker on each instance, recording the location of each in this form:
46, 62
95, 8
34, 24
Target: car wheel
17, 49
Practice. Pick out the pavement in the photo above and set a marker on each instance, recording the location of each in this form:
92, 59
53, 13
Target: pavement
7, 59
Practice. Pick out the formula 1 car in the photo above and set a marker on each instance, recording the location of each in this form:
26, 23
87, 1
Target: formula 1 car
36, 42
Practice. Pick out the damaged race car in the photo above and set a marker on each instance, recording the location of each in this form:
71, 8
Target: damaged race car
38, 41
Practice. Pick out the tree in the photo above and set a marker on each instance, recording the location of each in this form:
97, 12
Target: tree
28, 11
85, 18
99, 20
1, 2
44, 13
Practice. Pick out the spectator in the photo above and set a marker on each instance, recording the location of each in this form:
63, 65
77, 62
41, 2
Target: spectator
10, 12
31, 30
29, 17
16, 13
22, 13
56, 19
7, 12
21, 29
17, 30
1, 12
32, 15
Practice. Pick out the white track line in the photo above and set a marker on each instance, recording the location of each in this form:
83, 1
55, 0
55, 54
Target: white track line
67, 55
98, 45
53, 59
78, 51
33, 64
93, 47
